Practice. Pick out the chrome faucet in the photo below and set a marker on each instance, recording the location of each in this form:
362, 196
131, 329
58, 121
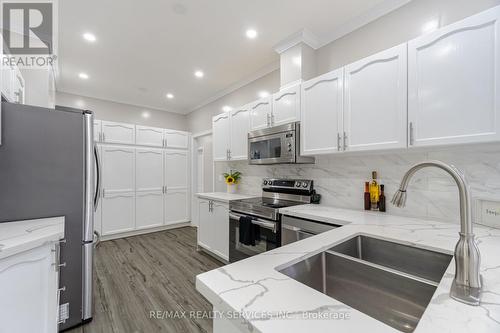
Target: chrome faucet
466, 286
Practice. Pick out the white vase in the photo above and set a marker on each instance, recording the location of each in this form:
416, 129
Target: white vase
232, 188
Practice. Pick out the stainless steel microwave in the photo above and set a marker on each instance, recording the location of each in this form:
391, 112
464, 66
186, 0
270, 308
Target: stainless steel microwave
276, 145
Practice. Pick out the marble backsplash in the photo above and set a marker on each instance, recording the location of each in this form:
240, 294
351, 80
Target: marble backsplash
340, 178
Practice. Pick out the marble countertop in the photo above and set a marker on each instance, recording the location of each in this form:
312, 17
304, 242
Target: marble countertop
272, 302
223, 196
16, 237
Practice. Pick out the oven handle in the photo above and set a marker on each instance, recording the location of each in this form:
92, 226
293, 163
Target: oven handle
259, 222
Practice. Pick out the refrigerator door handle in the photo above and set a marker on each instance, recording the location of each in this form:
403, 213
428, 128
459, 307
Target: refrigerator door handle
97, 195
88, 201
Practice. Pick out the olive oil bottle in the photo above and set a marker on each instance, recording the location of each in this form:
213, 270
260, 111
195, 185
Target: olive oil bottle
374, 191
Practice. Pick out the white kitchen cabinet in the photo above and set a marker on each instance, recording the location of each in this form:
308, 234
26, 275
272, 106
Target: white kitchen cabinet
261, 113
176, 139
18, 86
148, 209
176, 206
97, 130
286, 106
118, 212
122, 133
454, 83
176, 169
149, 172
29, 301
213, 229
149, 136
375, 101
7, 82
118, 169
321, 114
239, 127
221, 136
206, 232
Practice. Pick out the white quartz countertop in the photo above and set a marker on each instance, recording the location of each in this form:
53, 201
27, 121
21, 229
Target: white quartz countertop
20, 236
223, 196
272, 302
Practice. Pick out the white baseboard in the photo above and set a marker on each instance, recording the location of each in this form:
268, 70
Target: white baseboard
145, 231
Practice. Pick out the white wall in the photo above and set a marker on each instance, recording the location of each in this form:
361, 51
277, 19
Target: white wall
106, 110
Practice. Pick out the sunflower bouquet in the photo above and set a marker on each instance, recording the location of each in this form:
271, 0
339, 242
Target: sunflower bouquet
232, 177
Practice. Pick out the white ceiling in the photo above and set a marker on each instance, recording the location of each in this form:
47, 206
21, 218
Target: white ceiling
145, 49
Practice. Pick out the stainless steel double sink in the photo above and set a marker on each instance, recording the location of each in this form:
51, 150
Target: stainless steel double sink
390, 282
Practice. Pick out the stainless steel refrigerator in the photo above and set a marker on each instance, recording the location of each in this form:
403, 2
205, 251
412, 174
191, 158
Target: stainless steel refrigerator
47, 167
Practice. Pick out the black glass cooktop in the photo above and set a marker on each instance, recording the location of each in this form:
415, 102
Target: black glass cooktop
271, 203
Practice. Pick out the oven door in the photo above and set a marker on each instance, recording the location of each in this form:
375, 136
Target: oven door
269, 238
272, 148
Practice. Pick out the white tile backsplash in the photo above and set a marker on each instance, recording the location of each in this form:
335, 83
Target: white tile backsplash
340, 178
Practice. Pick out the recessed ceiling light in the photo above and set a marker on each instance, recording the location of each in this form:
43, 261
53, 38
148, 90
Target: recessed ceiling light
83, 76
146, 114
170, 96
226, 108
199, 74
251, 33
89, 37
430, 26
263, 94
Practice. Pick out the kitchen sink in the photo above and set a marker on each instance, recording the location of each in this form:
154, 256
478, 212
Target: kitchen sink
388, 281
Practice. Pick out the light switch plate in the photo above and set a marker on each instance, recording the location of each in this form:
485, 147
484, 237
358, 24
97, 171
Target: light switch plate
488, 212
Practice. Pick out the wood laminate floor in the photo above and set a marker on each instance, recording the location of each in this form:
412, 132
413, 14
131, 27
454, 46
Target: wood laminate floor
153, 272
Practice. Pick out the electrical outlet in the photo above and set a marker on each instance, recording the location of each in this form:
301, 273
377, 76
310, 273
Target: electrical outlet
488, 212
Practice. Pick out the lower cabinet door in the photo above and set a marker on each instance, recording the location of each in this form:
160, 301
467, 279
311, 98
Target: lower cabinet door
176, 206
148, 209
118, 213
220, 220
206, 231
29, 301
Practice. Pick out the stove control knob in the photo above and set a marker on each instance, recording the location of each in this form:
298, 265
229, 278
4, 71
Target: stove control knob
270, 182
304, 184
265, 182
297, 184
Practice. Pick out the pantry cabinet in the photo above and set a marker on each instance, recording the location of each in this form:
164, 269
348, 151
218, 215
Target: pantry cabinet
149, 136
118, 169
213, 229
149, 169
176, 169
286, 106
221, 136
239, 127
97, 130
176, 139
375, 103
321, 115
118, 212
176, 206
261, 113
149, 209
121, 133
454, 83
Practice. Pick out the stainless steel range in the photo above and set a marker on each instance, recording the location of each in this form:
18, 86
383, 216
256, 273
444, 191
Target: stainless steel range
264, 213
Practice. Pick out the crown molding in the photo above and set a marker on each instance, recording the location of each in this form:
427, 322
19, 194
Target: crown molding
257, 75
302, 36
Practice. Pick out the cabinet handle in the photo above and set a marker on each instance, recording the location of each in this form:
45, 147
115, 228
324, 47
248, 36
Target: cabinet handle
268, 120
412, 138
339, 148
103, 137
272, 119
229, 154
345, 140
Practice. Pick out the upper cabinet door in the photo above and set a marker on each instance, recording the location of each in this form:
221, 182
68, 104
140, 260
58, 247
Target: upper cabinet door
149, 169
321, 114
260, 113
286, 106
176, 169
97, 130
221, 136
240, 125
176, 139
375, 101
454, 83
118, 172
113, 132
149, 136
